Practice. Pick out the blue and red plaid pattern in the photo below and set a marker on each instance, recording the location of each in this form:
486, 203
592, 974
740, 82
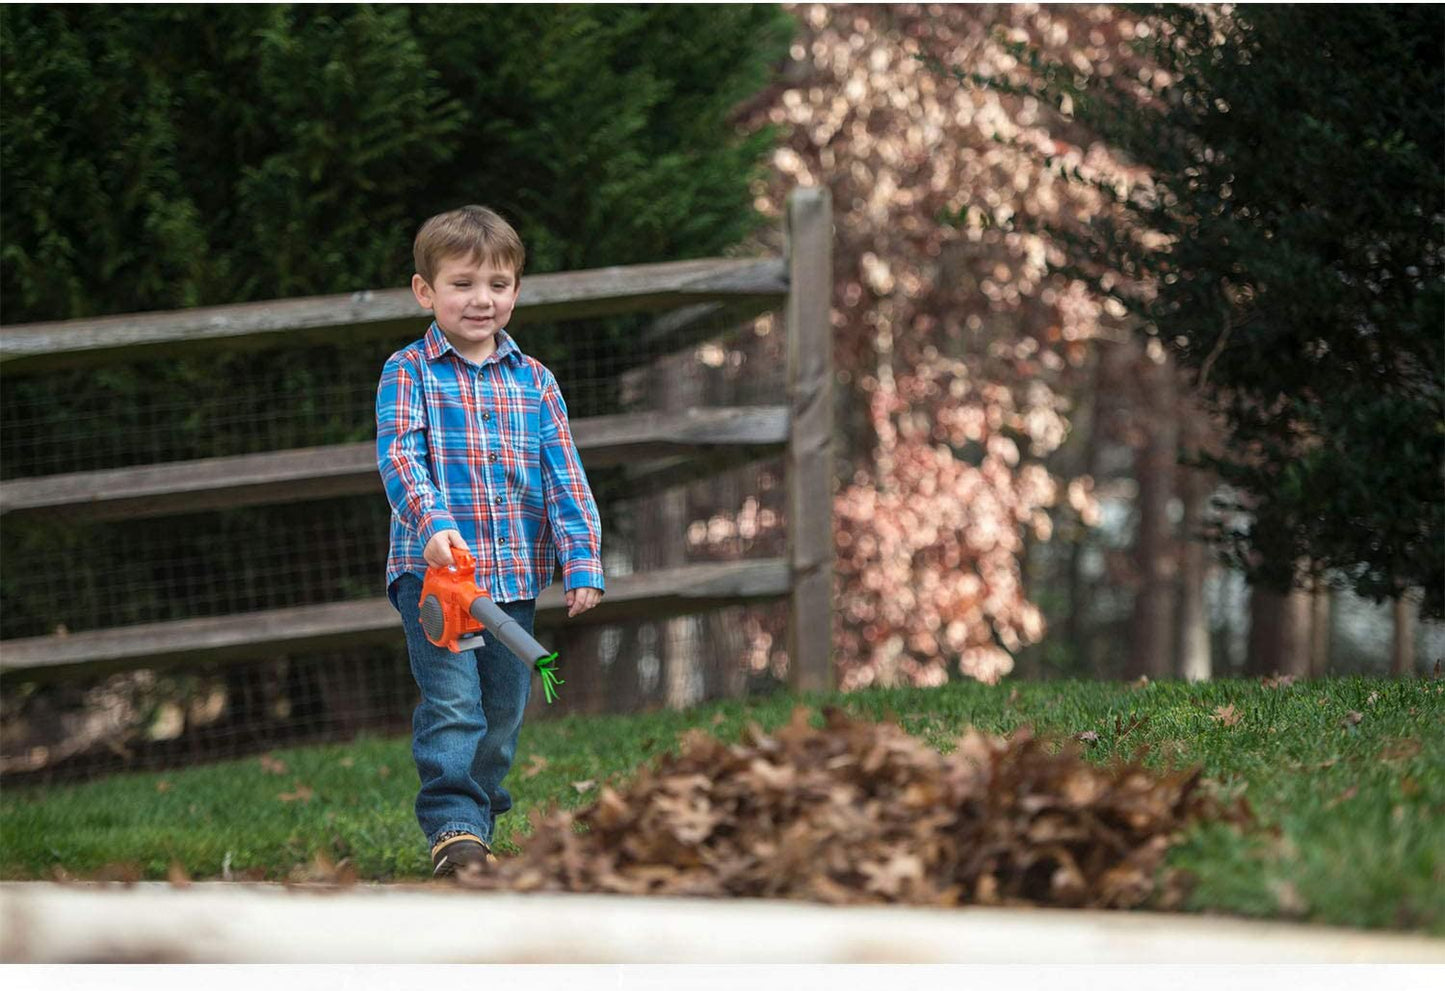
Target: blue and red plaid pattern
484, 449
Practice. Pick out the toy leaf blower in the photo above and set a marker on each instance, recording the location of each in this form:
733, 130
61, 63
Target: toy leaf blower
454, 612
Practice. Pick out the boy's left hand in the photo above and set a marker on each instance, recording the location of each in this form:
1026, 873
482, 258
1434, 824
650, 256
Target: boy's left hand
579, 600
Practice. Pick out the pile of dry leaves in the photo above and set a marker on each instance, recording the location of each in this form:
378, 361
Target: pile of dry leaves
863, 812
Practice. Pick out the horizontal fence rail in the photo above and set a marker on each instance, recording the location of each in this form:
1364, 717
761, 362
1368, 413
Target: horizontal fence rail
699, 285
350, 469
652, 595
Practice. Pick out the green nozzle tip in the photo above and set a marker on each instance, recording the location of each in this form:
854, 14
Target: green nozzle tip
547, 668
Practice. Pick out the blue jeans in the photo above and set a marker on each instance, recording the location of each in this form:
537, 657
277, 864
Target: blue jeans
464, 732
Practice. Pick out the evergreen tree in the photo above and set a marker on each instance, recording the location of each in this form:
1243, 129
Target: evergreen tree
156, 157
1290, 245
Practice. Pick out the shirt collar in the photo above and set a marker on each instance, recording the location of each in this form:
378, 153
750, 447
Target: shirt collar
436, 345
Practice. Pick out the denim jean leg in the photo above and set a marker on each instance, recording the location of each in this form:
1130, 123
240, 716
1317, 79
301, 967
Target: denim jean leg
506, 682
448, 727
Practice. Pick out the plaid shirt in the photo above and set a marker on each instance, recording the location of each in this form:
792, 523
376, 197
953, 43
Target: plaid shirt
484, 450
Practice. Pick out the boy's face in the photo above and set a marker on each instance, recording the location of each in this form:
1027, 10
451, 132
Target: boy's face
471, 299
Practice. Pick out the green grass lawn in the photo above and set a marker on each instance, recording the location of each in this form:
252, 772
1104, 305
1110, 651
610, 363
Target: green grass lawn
1345, 776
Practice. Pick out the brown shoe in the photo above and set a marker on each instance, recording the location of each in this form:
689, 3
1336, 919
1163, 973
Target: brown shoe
458, 852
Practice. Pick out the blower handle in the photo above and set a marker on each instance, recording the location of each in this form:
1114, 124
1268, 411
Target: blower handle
462, 560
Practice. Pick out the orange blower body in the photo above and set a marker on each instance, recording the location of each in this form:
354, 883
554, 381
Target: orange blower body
447, 595
453, 608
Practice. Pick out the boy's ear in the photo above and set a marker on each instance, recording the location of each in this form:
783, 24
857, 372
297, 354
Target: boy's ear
421, 291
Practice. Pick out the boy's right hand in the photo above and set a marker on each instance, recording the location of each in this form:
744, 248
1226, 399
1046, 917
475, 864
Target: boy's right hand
438, 551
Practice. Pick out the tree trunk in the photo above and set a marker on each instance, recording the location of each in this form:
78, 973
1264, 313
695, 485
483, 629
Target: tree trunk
1026, 660
1402, 644
1320, 629
1152, 634
1195, 662
1279, 632
1080, 589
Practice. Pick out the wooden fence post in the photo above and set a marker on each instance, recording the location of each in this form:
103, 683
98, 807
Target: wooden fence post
810, 455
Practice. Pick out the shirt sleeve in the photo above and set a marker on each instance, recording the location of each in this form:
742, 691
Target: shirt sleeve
571, 510
401, 453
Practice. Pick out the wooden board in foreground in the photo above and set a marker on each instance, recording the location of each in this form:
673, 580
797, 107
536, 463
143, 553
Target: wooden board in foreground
43, 923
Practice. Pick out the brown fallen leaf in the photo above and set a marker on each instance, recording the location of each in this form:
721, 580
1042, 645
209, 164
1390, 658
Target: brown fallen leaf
861, 812
1286, 848
1226, 715
1373, 698
891, 878
123, 873
347, 762
1087, 736
322, 870
535, 766
301, 794
177, 875
163, 786
584, 786
1402, 749
1135, 722
1287, 897
384, 771
1013, 696
1353, 718
1343, 796
271, 765
1278, 681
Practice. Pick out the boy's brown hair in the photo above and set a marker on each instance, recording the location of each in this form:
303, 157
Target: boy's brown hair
473, 231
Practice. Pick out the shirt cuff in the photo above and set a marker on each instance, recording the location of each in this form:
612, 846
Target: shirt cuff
582, 574
433, 524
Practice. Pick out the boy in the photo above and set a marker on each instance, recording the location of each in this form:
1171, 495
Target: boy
475, 452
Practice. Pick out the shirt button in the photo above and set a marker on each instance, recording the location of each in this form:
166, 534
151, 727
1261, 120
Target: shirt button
502, 541
486, 416
492, 458
498, 500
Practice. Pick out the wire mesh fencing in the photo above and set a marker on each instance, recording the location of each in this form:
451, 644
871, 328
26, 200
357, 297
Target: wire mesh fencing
64, 575
161, 719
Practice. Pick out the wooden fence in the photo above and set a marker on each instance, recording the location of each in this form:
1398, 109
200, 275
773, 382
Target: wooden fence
696, 296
